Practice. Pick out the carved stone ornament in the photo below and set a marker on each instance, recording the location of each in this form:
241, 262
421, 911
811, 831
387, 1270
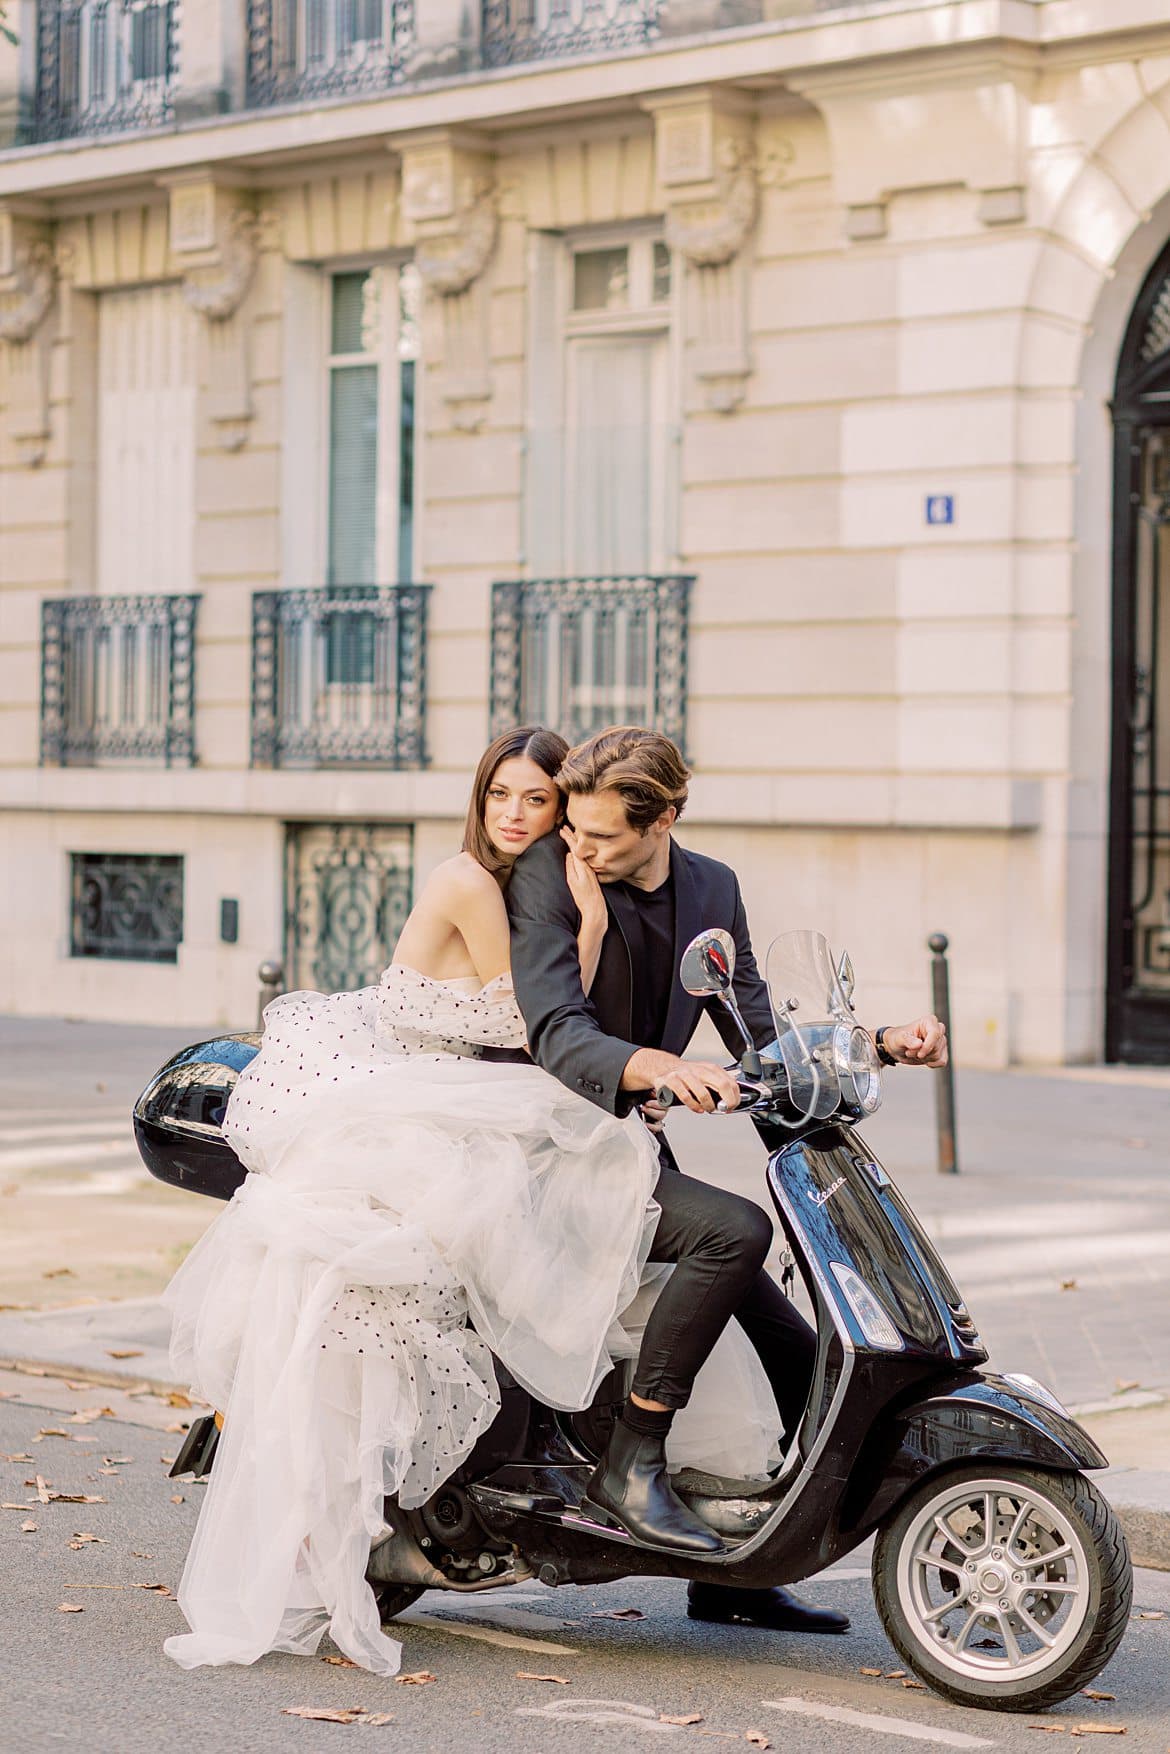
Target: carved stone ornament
217, 293
31, 285
28, 283
450, 262
710, 233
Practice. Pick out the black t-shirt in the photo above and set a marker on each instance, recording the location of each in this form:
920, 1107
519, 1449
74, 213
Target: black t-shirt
651, 940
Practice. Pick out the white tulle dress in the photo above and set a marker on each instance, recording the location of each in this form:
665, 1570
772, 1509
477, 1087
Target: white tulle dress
410, 1209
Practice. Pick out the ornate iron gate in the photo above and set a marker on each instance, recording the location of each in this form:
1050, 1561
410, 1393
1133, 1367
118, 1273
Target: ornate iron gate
1138, 1009
346, 898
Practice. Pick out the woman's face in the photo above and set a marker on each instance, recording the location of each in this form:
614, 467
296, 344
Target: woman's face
521, 804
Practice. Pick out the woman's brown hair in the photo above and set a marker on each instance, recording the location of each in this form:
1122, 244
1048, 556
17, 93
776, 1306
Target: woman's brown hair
546, 748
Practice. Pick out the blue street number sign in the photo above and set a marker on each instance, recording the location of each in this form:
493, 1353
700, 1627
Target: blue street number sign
940, 508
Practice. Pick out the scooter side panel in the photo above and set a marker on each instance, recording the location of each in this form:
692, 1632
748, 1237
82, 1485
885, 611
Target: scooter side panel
980, 1418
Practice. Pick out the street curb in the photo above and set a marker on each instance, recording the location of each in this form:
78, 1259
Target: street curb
98, 1379
1141, 1498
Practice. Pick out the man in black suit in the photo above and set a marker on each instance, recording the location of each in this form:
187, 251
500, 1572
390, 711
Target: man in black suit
625, 789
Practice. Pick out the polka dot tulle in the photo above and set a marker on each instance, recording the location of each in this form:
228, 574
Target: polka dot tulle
410, 1209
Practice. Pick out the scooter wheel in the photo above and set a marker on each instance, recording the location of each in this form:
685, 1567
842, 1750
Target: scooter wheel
1004, 1587
395, 1598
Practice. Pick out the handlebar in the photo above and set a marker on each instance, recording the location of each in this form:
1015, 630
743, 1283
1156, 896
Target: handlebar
752, 1094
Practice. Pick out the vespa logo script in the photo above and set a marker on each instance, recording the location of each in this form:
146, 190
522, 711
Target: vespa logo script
823, 1199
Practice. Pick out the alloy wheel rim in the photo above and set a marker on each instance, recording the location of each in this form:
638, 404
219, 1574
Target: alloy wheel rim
993, 1580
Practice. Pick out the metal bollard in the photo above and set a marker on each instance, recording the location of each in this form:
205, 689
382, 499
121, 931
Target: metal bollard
271, 973
940, 986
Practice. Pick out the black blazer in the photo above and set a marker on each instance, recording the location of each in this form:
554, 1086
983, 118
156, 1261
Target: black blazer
585, 1042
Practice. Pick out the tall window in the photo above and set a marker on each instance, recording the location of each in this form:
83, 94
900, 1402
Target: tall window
372, 363
373, 352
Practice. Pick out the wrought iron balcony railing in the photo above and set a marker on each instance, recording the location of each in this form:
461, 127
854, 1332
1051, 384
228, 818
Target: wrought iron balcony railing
580, 654
103, 66
300, 49
339, 677
530, 30
118, 680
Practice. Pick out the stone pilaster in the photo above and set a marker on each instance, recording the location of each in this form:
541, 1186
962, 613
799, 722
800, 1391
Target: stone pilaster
449, 213
28, 291
214, 236
709, 186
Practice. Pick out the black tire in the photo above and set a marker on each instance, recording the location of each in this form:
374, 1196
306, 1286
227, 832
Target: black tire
394, 1598
1103, 1602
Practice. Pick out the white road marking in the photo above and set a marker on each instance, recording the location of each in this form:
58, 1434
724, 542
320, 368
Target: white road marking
882, 1726
845, 1574
23, 1135
601, 1711
487, 1634
20, 1157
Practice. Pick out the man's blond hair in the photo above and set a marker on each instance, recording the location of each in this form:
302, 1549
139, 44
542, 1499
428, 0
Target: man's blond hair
643, 766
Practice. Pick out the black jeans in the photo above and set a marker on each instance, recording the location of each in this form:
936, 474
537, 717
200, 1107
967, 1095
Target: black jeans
719, 1242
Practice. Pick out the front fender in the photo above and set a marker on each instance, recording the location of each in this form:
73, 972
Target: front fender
977, 1417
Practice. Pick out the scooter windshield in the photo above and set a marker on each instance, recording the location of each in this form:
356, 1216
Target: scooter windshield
808, 1006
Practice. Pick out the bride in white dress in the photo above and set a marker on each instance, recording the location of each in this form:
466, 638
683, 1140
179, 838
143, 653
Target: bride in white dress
410, 1210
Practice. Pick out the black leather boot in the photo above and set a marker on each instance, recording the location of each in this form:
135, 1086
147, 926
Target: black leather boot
775, 1609
629, 1489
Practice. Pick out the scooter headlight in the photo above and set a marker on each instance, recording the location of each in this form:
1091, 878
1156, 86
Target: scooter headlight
858, 1068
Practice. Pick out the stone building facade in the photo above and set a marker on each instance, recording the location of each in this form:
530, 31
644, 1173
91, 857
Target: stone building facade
785, 372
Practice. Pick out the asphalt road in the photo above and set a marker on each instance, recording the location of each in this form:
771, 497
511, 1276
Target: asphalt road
98, 1679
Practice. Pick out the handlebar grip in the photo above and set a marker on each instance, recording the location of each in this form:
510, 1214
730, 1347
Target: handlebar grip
665, 1097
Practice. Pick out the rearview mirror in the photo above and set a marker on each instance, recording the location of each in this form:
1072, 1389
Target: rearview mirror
708, 963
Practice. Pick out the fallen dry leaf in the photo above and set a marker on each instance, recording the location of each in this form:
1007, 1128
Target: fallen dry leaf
618, 1614
183, 1425
1092, 1693
1068, 1285
117, 1461
1098, 1730
527, 1675
52, 1431
87, 1415
177, 1398
1049, 1729
895, 1674
84, 1536
341, 1662
157, 1589
70, 1608
13, 1506
350, 1714
1150, 1614
757, 1739
42, 1489
693, 1717
16, 1455
917, 1684
420, 1678
124, 1352
166, 1460
176, 1498
75, 1498
1124, 1384
114, 1473
29, 1528
142, 1555
876, 1672
59, 1273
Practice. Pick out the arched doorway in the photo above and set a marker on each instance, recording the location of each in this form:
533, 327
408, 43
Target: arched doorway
1138, 995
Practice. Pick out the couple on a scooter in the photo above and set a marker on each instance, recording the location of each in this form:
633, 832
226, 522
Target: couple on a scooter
414, 1207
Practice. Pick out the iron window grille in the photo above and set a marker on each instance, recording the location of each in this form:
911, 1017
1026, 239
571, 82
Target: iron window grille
530, 30
339, 677
347, 894
118, 680
127, 907
103, 66
300, 49
580, 654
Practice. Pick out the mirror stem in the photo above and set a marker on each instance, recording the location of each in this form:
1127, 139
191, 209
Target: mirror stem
750, 1059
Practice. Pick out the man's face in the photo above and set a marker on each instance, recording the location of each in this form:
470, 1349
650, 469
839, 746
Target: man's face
604, 840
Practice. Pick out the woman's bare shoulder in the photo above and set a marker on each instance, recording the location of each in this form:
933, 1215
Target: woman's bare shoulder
461, 878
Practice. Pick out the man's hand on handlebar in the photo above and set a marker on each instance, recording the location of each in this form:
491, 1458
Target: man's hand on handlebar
697, 1084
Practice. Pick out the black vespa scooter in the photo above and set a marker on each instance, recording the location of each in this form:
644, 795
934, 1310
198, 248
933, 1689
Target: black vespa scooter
1001, 1574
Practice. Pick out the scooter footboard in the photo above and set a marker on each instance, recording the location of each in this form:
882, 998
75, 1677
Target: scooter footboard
985, 1417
